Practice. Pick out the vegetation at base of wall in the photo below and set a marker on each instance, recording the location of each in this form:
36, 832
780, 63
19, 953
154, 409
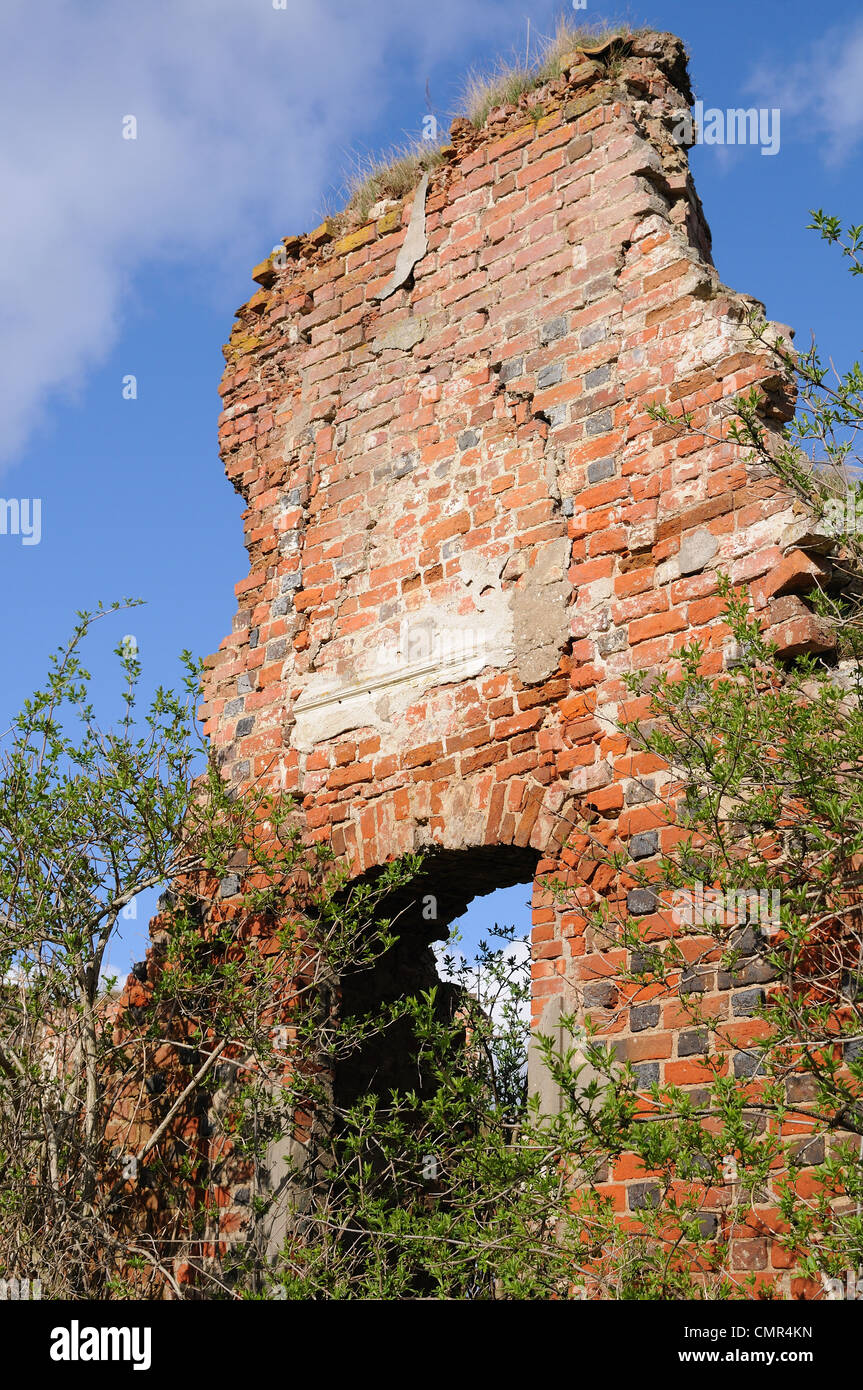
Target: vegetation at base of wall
108, 1102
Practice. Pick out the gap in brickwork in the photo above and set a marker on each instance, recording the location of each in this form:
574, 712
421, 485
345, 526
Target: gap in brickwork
450, 883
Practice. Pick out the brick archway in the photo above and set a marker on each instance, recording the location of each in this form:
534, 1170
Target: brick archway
421, 913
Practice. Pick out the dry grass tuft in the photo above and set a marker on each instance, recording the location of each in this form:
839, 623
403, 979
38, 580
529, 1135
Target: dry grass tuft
396, 173
393, 175
503, 84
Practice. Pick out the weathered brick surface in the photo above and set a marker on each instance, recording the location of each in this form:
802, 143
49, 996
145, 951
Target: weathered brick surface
464, 528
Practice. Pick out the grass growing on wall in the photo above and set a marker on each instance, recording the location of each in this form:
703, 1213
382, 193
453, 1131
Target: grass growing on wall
507, 80
394, 174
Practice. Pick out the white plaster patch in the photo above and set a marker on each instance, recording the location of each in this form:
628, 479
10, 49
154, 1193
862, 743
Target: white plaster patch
435, 645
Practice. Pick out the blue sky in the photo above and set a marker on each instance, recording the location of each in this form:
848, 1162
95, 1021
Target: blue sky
122, 257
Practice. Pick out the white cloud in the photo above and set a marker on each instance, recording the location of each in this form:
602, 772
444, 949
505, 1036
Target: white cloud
244, 116
493, 995
822, 92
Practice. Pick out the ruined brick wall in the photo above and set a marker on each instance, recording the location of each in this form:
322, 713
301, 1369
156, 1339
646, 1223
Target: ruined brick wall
464, 528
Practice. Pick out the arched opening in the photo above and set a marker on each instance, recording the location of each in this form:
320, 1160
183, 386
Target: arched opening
472, 887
